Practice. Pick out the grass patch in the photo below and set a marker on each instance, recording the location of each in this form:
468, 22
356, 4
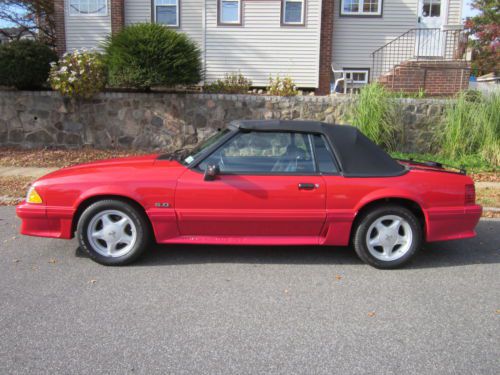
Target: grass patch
488, 197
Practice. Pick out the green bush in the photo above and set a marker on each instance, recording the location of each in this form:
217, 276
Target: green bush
147, 55
80, 74
231, 84
472, 127
24, 64
375, 114
282, 86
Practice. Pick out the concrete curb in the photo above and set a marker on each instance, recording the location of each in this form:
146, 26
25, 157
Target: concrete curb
25, 171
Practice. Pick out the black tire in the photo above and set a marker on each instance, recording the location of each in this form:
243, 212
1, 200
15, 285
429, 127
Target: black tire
137, 247
361, 236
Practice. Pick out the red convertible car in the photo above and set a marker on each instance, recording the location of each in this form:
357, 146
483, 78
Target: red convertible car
257, 183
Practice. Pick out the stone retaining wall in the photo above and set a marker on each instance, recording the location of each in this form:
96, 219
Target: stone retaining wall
169, 121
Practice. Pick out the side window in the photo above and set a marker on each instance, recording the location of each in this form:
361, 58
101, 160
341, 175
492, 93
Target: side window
229, 12
292, 12
324, 155
88, 7
264, 152
167, 12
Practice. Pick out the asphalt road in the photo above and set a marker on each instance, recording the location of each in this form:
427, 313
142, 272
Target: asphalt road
248, 310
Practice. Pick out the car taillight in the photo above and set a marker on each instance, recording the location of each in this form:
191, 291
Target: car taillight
470, 194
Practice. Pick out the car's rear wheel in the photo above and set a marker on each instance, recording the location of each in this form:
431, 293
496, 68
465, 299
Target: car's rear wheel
113, 232
387, 236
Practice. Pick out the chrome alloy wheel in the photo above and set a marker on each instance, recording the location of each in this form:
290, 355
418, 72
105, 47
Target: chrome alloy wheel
389, 238
112, 233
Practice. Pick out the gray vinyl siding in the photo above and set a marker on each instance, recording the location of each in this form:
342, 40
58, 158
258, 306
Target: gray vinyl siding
261, 46
84, 31
355, 38
137, 11
191, 16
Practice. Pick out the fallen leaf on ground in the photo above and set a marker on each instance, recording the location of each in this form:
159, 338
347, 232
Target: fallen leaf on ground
92, 281
486, 177
14, 157
338, 277
498, 311
16, 260
52, 261
286, 290
371, 314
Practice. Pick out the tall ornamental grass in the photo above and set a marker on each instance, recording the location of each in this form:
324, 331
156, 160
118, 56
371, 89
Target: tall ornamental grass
472, 127
375, 114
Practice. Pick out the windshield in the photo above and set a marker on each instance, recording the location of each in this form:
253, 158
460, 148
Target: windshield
204, 145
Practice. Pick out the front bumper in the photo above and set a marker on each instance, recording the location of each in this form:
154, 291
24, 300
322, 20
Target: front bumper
452, 223
45, 221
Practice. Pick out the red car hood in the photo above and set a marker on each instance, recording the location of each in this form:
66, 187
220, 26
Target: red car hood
108, 164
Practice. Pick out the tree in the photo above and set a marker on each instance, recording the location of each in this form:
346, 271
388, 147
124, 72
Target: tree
33, 17
484, 30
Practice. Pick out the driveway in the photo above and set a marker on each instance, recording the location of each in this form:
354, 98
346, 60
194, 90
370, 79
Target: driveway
248, 310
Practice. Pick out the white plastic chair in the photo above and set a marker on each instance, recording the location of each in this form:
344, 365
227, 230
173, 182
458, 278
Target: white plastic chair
341, 77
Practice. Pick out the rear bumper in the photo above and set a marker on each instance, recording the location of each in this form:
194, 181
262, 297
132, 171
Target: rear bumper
452, 223
45, 221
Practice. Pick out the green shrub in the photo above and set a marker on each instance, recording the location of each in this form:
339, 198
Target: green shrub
282, 86
375, 114
146, 55
80, 74
472, 127
24, 64
234, 83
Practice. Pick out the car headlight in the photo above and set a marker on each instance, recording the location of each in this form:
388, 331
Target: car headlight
33, 196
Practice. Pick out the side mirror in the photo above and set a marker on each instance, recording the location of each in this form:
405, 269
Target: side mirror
211, 172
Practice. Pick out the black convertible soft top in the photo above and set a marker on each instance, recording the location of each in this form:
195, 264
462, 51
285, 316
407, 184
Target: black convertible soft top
357, 155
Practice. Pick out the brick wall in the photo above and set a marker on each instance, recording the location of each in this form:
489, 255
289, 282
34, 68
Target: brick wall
325, 55
434, 77
59, 25
117, 15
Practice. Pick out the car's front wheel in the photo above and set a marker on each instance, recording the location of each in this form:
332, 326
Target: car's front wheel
113, 232
387, 236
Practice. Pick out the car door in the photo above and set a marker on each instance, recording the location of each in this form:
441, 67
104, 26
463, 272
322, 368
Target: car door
267, 186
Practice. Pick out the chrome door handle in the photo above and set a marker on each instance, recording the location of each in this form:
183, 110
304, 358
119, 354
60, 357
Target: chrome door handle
306, 186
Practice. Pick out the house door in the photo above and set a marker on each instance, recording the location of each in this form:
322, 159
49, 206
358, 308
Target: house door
429, 40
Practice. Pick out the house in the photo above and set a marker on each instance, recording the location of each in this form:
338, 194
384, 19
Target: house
13, 33
401, 43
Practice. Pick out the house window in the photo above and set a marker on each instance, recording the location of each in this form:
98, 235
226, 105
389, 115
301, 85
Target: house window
356, 76
88, 7
229, 12
292, 12
355, 79
431, 8
167, 12
361, 8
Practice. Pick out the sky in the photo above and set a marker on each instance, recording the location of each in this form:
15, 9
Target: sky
466, 12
